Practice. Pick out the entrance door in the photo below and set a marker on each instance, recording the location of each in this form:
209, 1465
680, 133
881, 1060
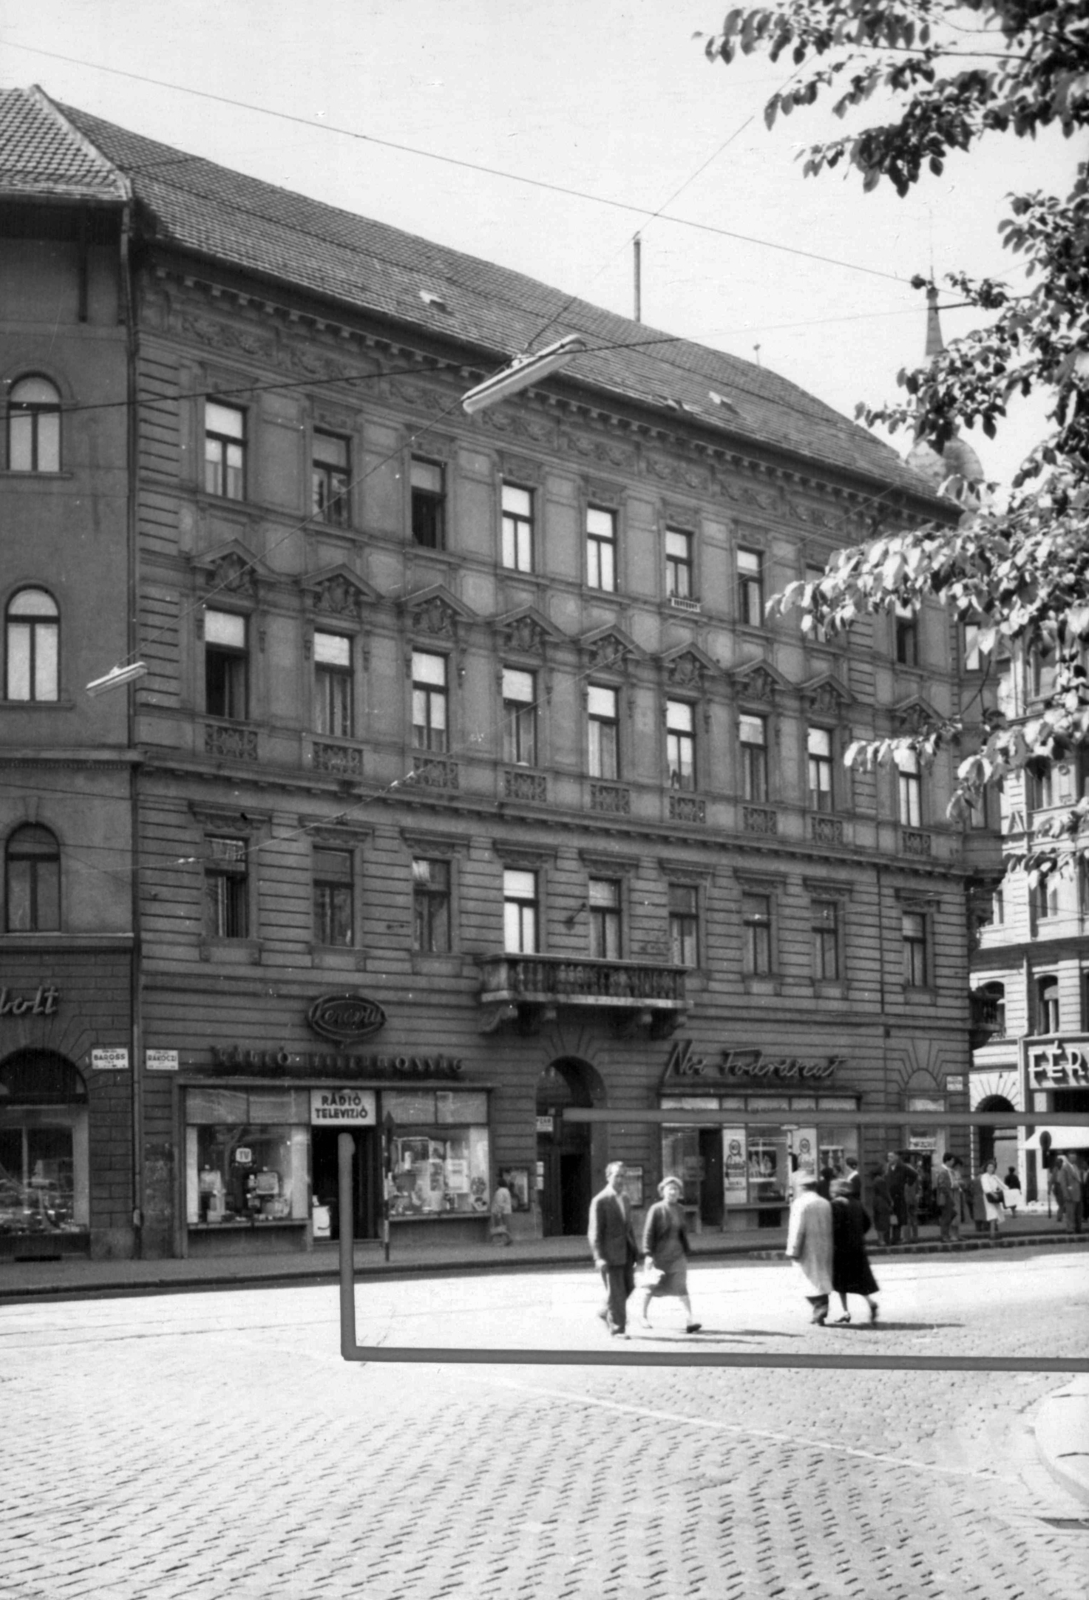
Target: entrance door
325, 1178
712, 1198
563, 1149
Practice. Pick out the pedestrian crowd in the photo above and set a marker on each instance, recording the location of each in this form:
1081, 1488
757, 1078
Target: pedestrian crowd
826, 1236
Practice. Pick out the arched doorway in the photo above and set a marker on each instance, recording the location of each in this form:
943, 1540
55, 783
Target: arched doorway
44, 1182
997, 1144
566, 1150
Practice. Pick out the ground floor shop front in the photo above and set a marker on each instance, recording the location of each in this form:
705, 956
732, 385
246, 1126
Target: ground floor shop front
243, 1104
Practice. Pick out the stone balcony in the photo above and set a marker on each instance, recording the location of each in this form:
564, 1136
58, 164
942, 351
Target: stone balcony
531, 989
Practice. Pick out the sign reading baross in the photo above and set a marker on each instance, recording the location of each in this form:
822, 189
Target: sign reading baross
345, 1018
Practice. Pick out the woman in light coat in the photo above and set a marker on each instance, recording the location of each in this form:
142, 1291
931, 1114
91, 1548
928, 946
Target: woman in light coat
988, 1198
809, 1243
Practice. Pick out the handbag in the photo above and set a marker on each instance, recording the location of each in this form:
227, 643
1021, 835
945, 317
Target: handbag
648, 1277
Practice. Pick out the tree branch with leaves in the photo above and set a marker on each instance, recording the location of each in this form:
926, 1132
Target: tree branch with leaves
958, 73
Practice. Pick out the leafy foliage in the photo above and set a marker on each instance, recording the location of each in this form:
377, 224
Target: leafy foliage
957, 73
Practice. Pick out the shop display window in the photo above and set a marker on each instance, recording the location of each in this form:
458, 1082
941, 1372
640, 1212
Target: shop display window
439, 1153
38, 1191
247, 1157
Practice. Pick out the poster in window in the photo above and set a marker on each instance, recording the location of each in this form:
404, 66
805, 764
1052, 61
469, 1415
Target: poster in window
735, 1166
633, 1184
517, 1181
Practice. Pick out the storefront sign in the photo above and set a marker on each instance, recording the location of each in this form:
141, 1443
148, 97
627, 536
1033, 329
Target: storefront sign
1060, 1063
161, 1060
345, 1018
922, 1141
545, 1124
42, 1004
283, 1063
752, 1066
344, 1107
955, 1084
110, 1060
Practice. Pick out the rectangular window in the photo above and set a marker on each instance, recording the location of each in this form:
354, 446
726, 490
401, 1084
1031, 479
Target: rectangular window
756, 928
333, 682
678, 564
225, 889
906, 643
973, 658
750, 587
914, 936
605, 932
330, 475
428, 483
1042, 675
225, 665
910, 789
681, 744
517, 528
519, 911
333, 897
684, 925
224, 450
600, 548
753, 733
826, 941
603, 723
1041, 790
429, 708
431, 906
1045, 899
1047, 1005
519, 717
819, 747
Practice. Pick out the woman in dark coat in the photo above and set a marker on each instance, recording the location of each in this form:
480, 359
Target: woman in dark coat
881, 1198
850, 1264
665, 1245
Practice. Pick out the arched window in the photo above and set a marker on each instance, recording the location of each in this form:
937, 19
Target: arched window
33, 426
32, 647
32, 881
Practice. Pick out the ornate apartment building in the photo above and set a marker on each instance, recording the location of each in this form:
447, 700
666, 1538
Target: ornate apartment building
468, 779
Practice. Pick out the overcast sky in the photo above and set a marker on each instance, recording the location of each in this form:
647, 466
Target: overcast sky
610, 97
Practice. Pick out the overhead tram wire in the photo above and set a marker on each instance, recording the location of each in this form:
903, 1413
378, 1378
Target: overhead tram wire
455, 161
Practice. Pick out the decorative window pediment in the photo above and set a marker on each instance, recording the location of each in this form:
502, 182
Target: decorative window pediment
760, 682
610, 650
231, 569
339, 594
689, 667
824, 697
527, 632
915, 716
436, 612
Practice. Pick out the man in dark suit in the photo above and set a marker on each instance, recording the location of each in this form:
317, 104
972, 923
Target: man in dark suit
614, 1249
901, 1177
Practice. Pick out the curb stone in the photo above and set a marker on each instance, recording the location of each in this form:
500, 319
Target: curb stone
1062, 1437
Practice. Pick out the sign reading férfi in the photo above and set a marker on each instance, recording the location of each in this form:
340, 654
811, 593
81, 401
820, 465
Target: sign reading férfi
1060, 1061
684, 1062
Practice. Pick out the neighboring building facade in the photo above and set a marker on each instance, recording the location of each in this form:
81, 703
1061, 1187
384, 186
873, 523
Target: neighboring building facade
471, 781
66, 943
1030, 971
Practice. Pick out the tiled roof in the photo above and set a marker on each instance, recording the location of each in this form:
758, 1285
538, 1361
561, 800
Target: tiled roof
42, 155
255, 226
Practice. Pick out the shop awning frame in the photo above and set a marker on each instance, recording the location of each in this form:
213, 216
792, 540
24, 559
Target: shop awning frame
351, 1350
864, 1119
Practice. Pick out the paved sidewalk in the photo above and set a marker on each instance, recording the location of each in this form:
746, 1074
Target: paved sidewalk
76, 1277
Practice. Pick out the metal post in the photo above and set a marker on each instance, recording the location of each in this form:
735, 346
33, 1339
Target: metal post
387, 1176
345, 1158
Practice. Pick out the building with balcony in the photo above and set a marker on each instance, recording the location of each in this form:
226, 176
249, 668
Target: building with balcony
470, 781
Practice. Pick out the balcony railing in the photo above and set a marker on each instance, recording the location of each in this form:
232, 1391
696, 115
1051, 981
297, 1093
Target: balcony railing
230, 741
520, 985
987, 1019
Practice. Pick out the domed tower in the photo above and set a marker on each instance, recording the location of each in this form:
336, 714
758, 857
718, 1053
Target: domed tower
956, 471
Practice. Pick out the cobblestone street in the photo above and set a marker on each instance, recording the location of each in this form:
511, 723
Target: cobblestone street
209, 1445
